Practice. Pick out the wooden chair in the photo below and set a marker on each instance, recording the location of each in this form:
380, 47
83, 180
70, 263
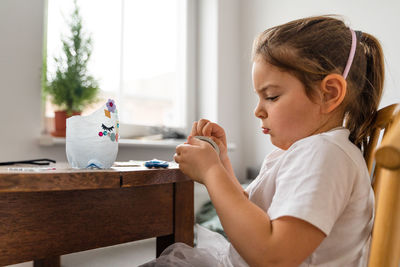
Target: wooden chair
382, 123
385, 246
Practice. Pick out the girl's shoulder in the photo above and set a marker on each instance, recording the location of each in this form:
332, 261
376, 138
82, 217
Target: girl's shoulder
333, 144
271, 159
338, 136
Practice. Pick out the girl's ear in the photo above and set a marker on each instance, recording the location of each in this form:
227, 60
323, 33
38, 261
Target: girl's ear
333, 91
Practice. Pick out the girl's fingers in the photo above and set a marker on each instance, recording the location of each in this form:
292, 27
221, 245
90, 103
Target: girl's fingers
205, 127
208, 129
200, 125
194, 141
181, 149
214, 130
178, 150
194, 129
176, 158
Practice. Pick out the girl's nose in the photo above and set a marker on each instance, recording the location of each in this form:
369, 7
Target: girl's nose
259, 112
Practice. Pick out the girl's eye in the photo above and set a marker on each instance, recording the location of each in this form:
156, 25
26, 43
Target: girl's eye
272, 98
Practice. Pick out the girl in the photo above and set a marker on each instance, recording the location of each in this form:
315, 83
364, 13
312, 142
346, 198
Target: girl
312, 203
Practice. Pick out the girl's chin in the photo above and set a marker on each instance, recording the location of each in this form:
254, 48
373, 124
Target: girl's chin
280, 145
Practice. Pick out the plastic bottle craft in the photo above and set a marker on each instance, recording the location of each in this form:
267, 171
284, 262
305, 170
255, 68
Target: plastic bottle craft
92, 141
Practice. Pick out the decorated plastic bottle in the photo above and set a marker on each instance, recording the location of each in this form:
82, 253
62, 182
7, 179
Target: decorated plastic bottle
92, 141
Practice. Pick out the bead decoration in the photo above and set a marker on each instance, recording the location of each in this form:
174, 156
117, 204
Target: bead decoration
109, 131
112, 137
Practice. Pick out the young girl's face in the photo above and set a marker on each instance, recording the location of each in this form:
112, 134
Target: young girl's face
285, 111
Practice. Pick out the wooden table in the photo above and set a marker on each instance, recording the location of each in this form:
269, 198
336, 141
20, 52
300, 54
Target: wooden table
48, 213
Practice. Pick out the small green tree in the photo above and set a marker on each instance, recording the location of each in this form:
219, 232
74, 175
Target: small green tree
72, 88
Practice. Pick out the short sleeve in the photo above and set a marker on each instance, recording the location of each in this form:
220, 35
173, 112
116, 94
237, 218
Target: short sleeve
314, 183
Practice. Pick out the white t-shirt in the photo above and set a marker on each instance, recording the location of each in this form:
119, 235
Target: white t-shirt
321, 179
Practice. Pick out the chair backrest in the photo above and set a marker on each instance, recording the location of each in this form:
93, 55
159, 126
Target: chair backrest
381, 124
385, 245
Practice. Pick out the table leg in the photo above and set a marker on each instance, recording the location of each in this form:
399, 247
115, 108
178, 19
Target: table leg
183, 217
184, 212
48, 262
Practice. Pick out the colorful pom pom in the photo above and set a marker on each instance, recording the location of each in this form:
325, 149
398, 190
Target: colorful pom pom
111, 105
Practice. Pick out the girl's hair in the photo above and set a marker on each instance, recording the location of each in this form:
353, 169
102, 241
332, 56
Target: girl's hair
314, 47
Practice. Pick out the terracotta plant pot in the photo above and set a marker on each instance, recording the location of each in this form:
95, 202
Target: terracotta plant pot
60, 119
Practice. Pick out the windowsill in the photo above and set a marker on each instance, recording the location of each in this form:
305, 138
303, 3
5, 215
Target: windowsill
48, 140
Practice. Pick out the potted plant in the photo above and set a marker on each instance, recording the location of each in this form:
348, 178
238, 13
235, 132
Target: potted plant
72, 87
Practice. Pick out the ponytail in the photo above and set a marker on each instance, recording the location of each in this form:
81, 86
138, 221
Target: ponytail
361, 112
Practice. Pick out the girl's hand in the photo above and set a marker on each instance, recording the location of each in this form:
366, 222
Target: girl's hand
196, 158
214, 131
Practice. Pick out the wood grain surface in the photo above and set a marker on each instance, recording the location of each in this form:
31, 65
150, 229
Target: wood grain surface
63, 178
50, 213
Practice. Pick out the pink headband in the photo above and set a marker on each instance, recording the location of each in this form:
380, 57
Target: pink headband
351, 55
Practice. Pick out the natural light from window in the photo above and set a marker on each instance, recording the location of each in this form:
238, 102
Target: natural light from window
137, 57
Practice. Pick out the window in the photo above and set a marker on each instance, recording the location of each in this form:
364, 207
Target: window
140, 56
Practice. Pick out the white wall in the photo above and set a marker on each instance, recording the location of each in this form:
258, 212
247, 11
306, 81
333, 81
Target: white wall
379, 18
20, 63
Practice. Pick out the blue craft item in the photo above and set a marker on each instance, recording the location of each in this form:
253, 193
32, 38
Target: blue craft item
94, 165
155, 163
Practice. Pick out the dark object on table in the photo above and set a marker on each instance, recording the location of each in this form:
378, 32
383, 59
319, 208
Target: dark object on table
31, 161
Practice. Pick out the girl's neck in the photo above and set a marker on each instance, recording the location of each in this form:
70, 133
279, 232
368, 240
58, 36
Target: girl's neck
330, 122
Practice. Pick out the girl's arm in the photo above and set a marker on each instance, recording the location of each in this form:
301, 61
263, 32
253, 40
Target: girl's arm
286, 241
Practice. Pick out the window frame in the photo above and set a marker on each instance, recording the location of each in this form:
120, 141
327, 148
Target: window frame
188, 81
